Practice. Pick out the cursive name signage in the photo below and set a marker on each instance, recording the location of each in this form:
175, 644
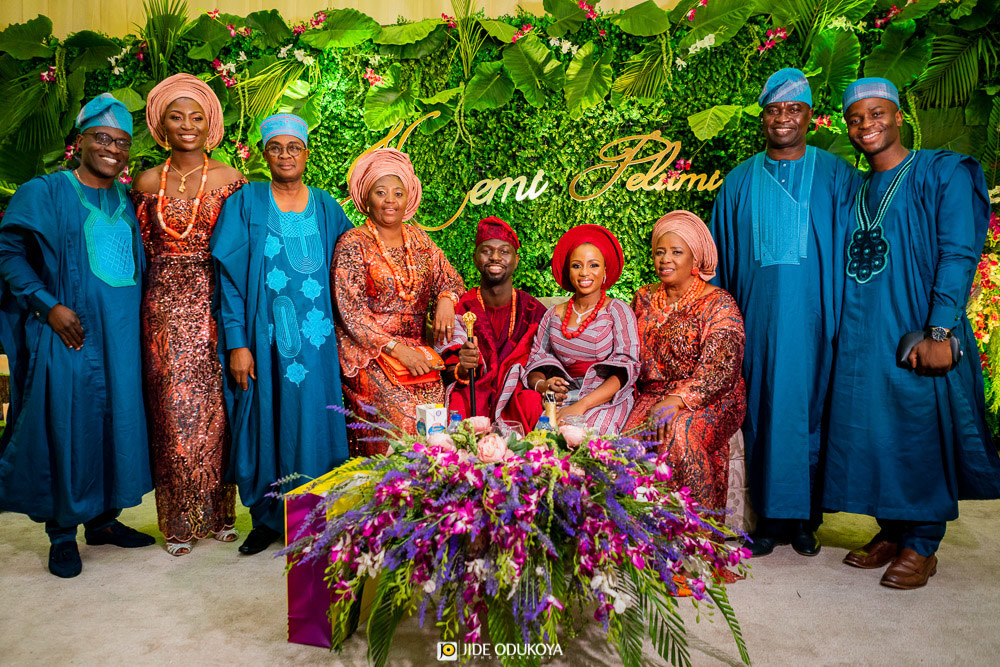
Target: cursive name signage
616, 157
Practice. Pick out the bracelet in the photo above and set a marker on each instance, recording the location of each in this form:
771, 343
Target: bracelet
449, 295
536, 384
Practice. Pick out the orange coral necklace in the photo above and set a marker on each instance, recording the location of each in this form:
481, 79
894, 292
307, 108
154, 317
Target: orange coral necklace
513, 308
586, 322
404, 288
197, 200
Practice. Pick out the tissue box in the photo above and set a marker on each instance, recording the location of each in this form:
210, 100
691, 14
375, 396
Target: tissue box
431, 418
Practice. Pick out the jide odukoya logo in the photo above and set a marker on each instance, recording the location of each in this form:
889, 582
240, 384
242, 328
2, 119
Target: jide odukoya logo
447, 651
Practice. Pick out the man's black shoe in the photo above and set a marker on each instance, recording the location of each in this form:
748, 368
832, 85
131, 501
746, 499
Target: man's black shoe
119, 535
64, 560
804, 540
761, 546
260, 538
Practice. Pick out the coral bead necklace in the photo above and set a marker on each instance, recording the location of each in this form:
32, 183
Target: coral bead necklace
586, 322
404, 288
690, 295
194, 210
513, 308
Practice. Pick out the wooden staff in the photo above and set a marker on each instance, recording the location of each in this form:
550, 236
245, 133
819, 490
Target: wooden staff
470, 321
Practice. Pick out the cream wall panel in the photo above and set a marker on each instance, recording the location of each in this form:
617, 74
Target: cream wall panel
120, 18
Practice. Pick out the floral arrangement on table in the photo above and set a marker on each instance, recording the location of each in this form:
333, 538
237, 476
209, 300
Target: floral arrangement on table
525, 536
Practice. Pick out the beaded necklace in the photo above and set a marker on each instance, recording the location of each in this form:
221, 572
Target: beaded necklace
197, 200
404, 288
583, 325
689, 296
868, 253
513, 307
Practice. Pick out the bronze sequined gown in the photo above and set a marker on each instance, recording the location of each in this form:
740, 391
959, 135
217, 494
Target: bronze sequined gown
181, 368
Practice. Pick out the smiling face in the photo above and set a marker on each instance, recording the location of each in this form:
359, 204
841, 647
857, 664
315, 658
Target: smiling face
586, 269
496, 261
785, 124
673, 260
285, 167
873, 125
185, 126
102, 161
387, 201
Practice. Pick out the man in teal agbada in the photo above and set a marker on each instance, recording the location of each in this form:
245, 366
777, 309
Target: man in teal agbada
773, 223
75, 450
908, 438
273, 246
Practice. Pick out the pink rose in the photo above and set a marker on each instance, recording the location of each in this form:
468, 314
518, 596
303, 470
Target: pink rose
442, 440
492, 448
574, 435
480, 425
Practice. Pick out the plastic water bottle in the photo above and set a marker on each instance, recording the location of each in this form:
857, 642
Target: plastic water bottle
453, 421
544, 424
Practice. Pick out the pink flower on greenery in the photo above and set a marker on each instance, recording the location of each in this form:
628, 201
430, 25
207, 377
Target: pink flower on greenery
139, 55
442, 440
525, 29
449, 20
574, 435
690, 14
682, 165
480, 425
767, 46
823, 121
48, 75
214, 14
232, 29
372, 78
70, 151
319, 19
246, 31
124, 177
299, 29
703, 3
890, 15
602, 32
242, 150
491, 448
216, 64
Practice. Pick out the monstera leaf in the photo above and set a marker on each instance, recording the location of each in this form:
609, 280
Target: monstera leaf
385, 105
891, 61
210, 35
419, 49
643, 20
343, 28
269, 29
498, 30
95, 49
709, 123
567, 17
24, 40
588, 79
835, 55
407, 33
490, 87
533, 68
722, 18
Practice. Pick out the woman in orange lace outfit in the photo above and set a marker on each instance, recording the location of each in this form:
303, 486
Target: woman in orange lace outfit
177, 204
386, 275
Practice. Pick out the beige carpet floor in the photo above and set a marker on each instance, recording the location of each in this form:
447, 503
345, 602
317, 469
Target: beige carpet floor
214, 607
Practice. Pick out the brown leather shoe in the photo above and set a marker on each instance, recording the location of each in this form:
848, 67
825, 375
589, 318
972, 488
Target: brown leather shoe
873, 555
910, 570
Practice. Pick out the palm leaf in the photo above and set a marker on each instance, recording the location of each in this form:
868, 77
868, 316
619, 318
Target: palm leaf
384, 620
261, 92
721, 600
644, 74
991, 157
24, 96
632, 621
166, 22
500, 619
953, 70
666, 628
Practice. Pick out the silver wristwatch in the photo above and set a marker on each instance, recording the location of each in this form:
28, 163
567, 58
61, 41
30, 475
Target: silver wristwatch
940, 334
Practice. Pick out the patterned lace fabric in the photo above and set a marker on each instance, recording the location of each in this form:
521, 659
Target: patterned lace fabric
182, 373
696, 353
370, 314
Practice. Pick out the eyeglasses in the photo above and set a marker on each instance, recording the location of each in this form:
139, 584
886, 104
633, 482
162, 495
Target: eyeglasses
275, 150
105, 139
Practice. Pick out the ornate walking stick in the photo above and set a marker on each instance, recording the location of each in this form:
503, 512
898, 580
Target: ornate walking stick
470, 321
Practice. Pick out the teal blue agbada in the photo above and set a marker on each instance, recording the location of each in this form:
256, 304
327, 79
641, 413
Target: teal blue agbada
275, 299
902, 446
75, 444
779, 266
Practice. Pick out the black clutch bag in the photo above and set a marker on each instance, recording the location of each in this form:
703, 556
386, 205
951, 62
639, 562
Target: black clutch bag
908, 341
